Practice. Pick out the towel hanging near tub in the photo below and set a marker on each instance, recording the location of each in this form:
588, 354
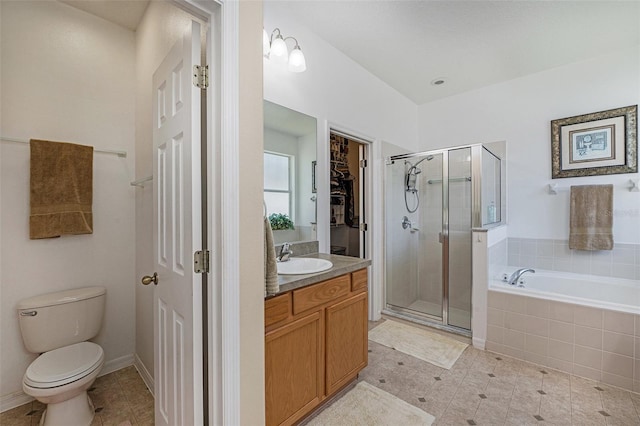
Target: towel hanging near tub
61, 189
591, 217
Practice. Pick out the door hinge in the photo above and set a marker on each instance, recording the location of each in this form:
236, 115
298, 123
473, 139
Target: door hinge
363, 164
201, 262
363, 227
201, 76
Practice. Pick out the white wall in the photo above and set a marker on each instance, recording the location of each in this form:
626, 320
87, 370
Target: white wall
251, 232
339, 92
161, 26
519, 111
66, 76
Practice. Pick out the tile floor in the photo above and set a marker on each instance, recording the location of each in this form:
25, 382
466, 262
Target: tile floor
120, 398
484, 388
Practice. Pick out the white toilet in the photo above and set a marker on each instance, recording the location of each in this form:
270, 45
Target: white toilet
57, 326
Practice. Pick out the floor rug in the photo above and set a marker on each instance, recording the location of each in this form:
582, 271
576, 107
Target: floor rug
431, 347
366, 405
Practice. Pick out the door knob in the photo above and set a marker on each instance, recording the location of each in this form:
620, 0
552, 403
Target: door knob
146, 280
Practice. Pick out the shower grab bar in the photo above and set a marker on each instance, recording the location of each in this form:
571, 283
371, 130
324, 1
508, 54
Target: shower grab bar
460, 179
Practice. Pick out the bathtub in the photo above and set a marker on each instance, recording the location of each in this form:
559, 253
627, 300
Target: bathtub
580, 324
617, 294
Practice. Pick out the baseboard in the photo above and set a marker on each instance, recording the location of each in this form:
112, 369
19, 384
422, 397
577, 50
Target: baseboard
13, 400
478, 343
16, 399
116, 364
147, 378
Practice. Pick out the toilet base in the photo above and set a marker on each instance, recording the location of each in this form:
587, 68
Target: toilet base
75, 411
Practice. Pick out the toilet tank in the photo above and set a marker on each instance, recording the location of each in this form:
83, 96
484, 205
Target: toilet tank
53, 320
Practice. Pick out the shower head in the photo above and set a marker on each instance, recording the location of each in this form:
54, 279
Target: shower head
428, 158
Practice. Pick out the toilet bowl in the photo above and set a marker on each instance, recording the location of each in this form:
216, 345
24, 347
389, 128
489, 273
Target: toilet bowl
58, 325
60, 379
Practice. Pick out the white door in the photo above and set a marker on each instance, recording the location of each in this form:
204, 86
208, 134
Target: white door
363, 187
177, 234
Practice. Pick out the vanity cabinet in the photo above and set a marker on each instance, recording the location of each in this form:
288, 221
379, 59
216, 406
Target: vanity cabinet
315, 343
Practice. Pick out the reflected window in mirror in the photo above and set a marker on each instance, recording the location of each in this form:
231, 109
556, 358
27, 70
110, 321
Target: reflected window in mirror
278, 188
289, 152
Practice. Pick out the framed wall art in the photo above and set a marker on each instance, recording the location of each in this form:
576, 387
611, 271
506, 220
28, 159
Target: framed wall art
600, 143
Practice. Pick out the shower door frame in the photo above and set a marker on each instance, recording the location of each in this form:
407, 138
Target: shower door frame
476, 222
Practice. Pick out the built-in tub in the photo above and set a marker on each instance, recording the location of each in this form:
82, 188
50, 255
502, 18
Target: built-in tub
616, 294
585, 325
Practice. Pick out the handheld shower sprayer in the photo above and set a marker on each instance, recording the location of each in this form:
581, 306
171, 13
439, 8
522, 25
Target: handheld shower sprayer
412, 176
410, 181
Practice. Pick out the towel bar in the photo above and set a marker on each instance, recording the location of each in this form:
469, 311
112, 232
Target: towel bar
140, 182
552, 188
102, 151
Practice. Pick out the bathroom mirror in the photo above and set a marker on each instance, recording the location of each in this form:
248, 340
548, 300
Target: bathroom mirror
289, 155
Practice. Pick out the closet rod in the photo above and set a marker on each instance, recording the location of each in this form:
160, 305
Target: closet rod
102, 151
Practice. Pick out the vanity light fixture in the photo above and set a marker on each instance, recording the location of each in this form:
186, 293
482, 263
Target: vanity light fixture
275, 49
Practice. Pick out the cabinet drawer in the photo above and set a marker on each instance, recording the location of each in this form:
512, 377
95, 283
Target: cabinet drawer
359, 279
319, 294
277, 309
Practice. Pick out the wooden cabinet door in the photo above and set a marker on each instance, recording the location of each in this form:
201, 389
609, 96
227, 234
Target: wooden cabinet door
346, 341
293, 370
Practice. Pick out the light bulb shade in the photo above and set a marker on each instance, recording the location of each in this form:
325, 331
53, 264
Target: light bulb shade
297, 62
279, 52
266, 46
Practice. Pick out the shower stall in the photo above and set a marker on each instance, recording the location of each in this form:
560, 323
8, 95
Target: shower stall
433, 200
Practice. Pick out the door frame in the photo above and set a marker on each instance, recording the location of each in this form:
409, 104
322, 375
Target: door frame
371, 201
222, 393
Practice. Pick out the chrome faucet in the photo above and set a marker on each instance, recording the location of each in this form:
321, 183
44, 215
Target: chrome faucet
515, 277
285, 253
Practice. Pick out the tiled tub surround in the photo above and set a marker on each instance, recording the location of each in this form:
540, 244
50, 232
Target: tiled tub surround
554, 255
595, 343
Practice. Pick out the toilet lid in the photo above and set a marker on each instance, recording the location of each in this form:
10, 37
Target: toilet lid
64, 365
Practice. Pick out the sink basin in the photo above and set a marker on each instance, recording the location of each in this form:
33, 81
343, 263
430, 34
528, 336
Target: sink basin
303, 265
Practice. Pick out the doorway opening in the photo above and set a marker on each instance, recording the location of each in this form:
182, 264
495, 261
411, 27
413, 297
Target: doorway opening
348, 194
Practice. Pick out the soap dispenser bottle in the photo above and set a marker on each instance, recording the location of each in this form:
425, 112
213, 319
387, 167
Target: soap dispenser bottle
491, 212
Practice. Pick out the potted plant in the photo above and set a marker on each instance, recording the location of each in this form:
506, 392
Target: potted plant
280, 221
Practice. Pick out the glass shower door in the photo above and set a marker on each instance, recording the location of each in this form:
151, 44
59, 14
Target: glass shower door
413, 220
459, 240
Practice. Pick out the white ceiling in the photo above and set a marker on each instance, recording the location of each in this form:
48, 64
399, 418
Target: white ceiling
471, 44
126, 13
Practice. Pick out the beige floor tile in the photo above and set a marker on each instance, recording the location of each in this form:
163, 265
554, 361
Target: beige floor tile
120, 398
554, 410
587, 419
451, 419
517, 417
517, 392
19, 416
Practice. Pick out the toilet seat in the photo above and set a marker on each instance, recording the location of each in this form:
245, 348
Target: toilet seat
64, 365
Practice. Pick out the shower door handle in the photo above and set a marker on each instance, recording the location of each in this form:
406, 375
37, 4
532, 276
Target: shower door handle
440, 237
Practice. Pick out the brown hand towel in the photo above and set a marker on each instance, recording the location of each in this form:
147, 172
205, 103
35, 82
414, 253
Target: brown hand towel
591, 217
270, 265
61, 189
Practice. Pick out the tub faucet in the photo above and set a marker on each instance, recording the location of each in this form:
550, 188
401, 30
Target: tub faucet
515, 277
285, 253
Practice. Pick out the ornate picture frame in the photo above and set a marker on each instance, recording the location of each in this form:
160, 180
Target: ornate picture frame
600, 143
